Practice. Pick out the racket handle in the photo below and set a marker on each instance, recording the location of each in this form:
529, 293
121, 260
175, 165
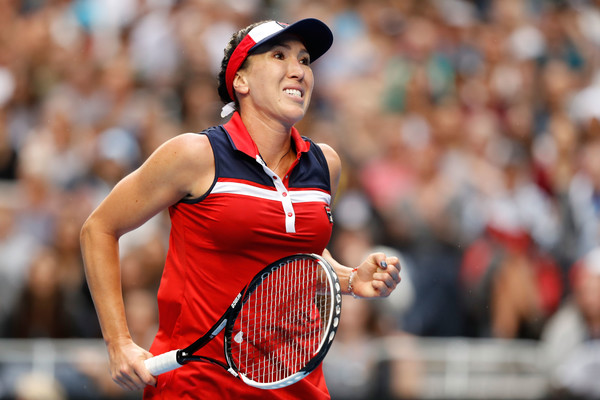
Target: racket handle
162, 363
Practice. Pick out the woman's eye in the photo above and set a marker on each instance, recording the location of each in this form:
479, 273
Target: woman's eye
305, 60
278, 55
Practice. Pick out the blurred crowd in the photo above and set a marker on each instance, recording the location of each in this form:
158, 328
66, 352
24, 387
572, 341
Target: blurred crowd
469, 132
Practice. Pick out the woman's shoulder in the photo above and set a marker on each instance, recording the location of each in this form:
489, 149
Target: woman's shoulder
182, 155
187, 147
186, 162
332, 157
334, 164
189, 139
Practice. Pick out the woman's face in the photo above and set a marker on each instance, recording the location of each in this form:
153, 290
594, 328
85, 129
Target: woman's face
278, 81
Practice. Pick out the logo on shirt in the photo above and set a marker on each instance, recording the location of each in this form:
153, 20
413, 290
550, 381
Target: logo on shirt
329, 214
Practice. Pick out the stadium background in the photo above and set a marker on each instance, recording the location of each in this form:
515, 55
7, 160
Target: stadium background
470, 136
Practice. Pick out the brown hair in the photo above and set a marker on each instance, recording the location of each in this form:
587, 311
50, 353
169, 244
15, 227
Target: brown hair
227, 52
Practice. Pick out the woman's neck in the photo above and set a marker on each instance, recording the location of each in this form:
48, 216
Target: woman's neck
272, 139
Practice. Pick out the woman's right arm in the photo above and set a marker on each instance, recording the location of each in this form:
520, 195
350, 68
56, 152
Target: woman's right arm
182, 166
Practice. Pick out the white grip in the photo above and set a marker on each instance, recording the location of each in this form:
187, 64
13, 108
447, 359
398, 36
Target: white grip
162, 363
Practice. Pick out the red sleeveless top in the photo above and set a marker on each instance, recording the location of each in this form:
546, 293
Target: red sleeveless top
248, 219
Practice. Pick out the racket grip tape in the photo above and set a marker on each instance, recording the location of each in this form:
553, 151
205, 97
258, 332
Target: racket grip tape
162, 363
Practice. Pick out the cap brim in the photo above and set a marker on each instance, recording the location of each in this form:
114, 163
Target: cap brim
316, 36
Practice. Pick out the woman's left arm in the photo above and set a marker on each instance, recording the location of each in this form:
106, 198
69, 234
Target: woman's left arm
378, 275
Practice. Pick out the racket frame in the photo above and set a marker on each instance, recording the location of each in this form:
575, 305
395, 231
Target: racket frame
335, 293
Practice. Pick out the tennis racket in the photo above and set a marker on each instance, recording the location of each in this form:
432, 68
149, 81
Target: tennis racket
278, 328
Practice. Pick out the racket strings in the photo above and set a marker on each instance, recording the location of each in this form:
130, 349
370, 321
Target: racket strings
281, 326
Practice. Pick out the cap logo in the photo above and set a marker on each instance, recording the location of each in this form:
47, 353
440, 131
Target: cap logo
265, 30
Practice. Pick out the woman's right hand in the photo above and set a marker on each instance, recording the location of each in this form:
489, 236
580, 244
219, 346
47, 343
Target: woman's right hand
127, 367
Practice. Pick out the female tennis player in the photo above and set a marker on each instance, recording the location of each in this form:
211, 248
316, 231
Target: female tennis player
240, 196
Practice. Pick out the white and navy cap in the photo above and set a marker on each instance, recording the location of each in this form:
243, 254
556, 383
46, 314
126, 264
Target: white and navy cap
316, 36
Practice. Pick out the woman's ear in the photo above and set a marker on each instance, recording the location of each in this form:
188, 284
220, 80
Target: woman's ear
240, 83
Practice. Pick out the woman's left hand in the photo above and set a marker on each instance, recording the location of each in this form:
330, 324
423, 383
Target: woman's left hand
377, 276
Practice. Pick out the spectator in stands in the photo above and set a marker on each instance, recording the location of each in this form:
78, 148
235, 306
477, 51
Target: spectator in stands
571, 339
41, 309
16, 251
511, 284
39, 386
